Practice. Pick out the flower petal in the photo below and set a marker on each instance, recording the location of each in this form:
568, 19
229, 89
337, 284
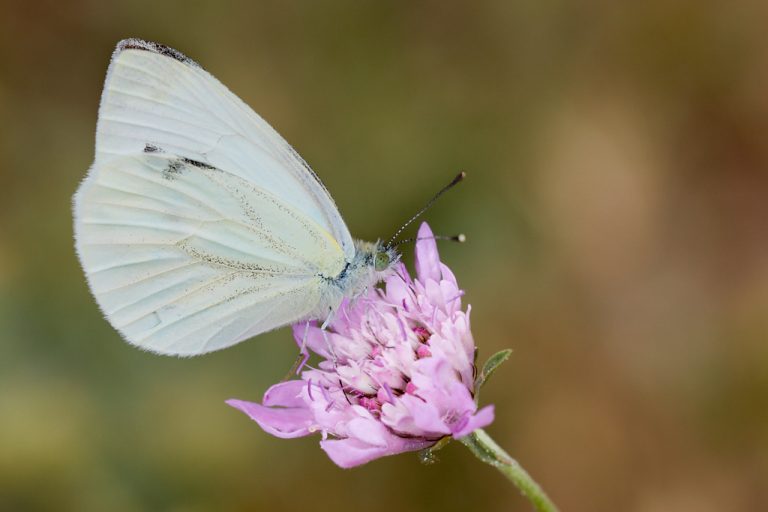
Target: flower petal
427, 257
426, 417
480, 419
348, 453
285, 394
280, 422
309, 336
448, 274
368, 431
398, 289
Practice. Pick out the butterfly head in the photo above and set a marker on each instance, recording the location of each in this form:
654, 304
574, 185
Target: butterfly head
376, 259
384, 258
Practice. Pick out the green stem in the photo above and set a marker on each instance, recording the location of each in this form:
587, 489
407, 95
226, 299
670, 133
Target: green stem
489, 452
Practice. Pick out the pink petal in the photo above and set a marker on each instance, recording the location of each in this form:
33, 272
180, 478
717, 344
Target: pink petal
448, 274
402, 271
280, 422
348, 453
370, 431
435, 295
397, 290
309, 334
285, 394
344, 318
426, 416
427, 257
480, 419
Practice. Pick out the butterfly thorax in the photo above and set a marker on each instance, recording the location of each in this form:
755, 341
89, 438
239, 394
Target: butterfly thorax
371, 263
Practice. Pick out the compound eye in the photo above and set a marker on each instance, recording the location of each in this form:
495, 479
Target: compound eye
381, 261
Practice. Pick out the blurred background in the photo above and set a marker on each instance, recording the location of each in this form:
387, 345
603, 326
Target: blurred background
617, 221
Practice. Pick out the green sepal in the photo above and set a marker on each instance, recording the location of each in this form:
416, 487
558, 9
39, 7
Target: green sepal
489, 367
427, 455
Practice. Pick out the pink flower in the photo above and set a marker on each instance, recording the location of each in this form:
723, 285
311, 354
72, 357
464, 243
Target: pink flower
397, 370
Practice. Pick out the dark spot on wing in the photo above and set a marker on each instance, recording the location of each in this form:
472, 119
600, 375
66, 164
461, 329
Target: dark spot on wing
177, 165
198, 164
149, 46
174, 167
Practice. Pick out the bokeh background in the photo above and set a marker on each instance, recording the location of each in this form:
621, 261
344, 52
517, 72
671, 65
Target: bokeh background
617, 220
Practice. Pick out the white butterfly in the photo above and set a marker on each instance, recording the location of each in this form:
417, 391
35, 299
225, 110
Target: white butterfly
198, 226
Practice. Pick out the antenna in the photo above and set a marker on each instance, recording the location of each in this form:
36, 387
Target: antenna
455, 181
455, 238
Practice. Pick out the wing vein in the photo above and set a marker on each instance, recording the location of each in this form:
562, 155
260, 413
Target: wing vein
133, 263
197, 102
147, 278
206, 284
243, 293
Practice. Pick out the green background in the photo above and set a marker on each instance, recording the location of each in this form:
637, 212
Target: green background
616, 212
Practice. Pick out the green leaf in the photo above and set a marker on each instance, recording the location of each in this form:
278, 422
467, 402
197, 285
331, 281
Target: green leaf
489, 367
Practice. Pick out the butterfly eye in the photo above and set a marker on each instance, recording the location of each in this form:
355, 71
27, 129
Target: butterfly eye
381, 261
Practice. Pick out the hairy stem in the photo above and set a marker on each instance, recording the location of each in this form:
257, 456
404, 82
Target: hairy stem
489, 452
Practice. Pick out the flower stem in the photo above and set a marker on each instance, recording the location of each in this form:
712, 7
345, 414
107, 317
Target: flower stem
486, 449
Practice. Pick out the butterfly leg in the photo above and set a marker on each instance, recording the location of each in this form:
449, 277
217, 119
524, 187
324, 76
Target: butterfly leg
324, 329
328, 319
302, 358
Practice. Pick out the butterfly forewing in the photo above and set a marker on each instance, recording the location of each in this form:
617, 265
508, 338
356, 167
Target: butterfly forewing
198, 225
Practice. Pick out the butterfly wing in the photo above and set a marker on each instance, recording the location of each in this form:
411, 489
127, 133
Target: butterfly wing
198, 226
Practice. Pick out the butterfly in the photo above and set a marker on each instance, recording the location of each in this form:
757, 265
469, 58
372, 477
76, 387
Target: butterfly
197, 225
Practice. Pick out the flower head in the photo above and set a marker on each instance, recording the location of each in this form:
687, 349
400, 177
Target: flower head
397, 370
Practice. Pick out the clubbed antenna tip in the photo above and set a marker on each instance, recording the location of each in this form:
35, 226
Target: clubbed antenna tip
458, 178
